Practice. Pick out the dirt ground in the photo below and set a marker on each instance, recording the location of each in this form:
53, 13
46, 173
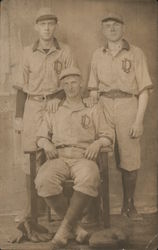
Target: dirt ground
137, 234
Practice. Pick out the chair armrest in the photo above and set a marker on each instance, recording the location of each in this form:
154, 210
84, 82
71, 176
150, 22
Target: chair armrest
30, 151
107, 149
34, 151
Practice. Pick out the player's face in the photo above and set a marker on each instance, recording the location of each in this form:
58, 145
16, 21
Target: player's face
112, 30
46, 29
71, 86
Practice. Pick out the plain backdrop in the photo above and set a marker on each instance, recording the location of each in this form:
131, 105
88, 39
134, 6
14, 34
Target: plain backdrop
79, 26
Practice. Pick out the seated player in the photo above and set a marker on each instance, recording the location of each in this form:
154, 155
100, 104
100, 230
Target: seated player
72, 138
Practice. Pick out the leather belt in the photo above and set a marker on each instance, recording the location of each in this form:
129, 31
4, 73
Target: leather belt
116, 94
69, 146
41, 98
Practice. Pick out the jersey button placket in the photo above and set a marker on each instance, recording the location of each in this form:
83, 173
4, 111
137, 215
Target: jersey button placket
44, 73
113, 71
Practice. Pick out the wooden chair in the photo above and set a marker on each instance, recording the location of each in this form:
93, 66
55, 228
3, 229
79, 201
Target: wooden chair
104, 189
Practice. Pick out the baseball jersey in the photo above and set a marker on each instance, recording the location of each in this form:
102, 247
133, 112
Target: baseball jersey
75, 126
39, 71
127, 71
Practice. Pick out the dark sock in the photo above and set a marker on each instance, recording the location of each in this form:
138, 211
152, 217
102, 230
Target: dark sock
77, 204
58, 203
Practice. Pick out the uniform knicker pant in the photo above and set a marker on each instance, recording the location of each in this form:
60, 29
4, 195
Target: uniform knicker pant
53, 173
32, 119
121, 114
33, 116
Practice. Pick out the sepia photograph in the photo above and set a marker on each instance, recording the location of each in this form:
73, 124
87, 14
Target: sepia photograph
79, 124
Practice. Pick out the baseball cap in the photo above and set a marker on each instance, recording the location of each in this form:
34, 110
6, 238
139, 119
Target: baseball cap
45, 14
112, 16
69, 72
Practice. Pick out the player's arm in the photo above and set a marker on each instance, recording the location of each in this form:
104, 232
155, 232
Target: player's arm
104, 134
21, 95
137, 127
144, 88
94, 148
44, 138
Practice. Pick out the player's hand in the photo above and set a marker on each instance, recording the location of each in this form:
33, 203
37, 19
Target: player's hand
92, 151
18, 125
90, 101
52, 105
136, 130
50, 150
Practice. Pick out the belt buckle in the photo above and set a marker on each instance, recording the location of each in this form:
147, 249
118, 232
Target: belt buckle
44, 98
38, 98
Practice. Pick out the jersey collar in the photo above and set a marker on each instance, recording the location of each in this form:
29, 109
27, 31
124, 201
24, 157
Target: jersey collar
125, 46
36, 46
77, 107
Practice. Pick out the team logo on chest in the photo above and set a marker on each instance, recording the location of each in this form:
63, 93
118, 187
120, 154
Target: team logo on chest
58, 67
85, 121
126, 65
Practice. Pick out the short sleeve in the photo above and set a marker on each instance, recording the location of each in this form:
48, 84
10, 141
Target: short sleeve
93, 81
142, 74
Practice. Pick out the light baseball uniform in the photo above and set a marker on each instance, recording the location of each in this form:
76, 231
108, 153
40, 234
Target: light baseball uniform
73, 129
119, 80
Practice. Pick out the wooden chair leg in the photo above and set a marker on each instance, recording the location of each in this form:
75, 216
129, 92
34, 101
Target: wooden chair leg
104, 172
49, 214
34, 216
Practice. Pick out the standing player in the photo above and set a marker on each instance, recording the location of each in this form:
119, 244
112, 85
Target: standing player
38, 87
119, 78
